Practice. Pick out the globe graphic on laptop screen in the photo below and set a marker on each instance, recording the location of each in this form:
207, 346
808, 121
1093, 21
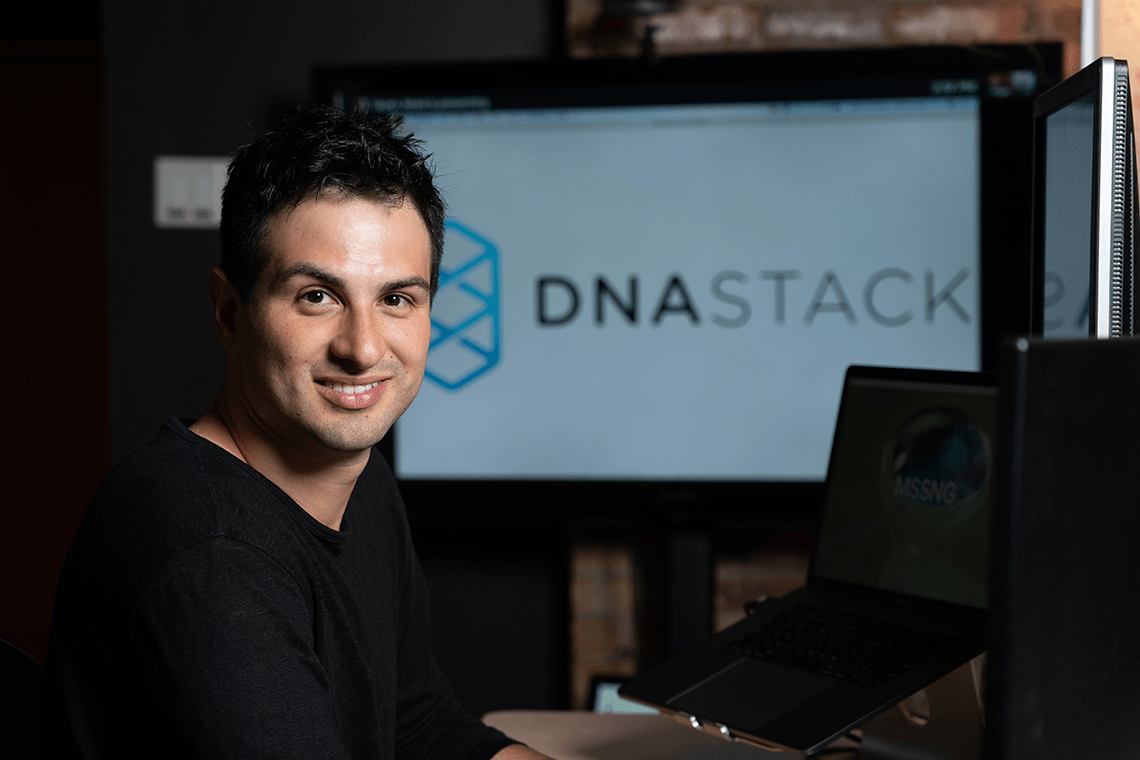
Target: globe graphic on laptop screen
935, 469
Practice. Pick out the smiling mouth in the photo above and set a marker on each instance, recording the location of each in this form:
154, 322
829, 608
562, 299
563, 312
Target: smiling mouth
351, 388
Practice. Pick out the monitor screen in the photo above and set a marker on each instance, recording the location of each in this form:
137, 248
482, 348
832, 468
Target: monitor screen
660, 275
1068, 215
705, 268
912, 480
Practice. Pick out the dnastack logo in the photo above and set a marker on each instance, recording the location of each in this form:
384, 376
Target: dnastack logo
465, 315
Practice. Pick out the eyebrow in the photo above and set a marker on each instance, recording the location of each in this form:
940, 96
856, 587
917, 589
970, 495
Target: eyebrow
309, 270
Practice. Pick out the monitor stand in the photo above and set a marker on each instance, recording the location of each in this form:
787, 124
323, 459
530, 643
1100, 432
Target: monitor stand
688, 589
673, 573
942, 722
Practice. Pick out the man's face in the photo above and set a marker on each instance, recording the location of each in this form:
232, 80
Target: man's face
331, 349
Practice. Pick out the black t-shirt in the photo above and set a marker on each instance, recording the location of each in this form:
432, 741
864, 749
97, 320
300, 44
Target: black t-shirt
203, 613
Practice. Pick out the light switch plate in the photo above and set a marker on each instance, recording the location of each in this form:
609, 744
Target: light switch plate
188, 191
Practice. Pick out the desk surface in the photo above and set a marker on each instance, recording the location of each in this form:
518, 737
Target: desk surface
953, 733
581, 735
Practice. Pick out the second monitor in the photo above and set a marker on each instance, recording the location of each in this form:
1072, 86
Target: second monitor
1085, 205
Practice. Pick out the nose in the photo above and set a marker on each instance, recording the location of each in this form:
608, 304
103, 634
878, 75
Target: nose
359, 340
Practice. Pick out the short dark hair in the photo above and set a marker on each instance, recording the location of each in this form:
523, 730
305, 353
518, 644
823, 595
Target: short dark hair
322, 149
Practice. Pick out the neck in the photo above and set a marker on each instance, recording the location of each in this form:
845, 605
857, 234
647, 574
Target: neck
320, 483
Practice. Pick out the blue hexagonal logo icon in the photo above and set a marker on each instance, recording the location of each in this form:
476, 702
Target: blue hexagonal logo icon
465, 315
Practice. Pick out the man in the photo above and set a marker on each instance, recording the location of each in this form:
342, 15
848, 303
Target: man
245, 586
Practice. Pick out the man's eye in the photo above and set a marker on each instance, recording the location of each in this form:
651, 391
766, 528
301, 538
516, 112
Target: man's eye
316, 297
395, 299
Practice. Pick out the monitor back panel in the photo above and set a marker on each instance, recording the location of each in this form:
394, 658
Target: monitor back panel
1064, 665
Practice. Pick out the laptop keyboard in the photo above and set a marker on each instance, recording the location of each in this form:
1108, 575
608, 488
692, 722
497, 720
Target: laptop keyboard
842, 645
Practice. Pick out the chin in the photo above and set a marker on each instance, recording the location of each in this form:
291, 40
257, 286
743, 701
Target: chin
347, 436
349, 442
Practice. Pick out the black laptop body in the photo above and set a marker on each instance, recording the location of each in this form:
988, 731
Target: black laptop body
896, 593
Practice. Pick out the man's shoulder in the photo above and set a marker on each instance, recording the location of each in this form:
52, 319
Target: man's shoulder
174, 467
177, 489
173, 452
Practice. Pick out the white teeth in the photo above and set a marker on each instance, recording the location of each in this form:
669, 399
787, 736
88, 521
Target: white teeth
352, 388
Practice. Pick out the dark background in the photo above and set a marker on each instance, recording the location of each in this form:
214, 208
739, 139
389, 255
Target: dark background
108, 327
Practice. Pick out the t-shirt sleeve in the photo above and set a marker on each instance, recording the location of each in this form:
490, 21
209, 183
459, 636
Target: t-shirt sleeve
222, 651
430, 722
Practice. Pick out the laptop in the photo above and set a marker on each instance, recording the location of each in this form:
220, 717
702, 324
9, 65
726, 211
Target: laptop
896, 592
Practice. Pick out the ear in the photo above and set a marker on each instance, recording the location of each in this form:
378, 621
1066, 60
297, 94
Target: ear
227, 307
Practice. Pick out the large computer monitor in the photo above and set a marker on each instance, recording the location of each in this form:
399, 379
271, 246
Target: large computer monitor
656, 276
1085, 205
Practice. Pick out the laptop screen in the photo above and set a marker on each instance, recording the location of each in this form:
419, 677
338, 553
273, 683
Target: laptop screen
907, 506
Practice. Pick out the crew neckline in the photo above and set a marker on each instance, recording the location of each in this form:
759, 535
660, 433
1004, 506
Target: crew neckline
181, 427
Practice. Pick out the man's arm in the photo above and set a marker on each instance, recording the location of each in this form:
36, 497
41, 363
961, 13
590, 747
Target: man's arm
430, 722
519, 752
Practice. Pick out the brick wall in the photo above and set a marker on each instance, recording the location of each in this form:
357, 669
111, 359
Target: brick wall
1120, 38
717, 26
602, 625
768, 563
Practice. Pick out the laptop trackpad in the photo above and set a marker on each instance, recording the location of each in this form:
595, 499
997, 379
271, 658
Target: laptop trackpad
750, 694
